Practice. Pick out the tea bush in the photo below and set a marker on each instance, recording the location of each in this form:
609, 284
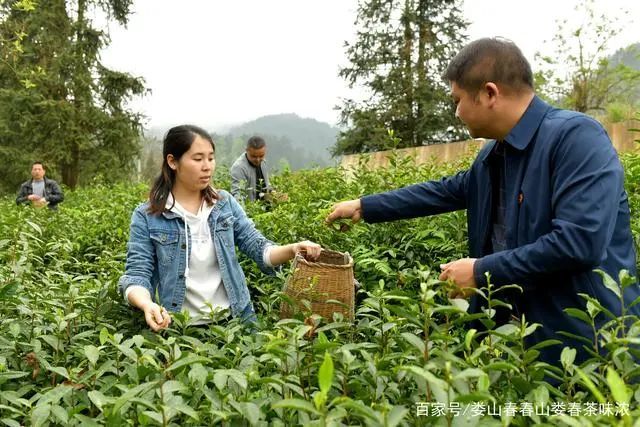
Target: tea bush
73, 353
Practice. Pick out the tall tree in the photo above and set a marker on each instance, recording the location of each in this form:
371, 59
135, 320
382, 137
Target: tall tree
401, 50
58, 103
579, 74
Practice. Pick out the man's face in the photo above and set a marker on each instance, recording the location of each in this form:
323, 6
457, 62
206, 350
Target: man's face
256, 155
37, 172
472, 111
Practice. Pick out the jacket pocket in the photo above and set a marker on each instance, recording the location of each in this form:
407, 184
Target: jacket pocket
166, 244
224, 229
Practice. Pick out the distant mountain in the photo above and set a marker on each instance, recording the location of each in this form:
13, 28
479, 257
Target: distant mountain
291, 140
629, 56
309, 138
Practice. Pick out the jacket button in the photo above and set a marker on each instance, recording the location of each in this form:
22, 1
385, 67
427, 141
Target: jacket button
183, 246
181, 276
174, 304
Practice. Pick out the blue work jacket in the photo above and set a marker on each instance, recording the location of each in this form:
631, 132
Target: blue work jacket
566, 214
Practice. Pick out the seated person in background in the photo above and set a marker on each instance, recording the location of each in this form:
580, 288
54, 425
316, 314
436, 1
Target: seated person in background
40, 191
249, 173
182, 241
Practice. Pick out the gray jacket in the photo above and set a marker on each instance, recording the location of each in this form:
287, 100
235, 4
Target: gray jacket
243, 178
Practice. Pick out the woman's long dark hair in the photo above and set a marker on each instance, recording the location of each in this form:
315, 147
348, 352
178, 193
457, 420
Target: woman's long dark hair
176, 142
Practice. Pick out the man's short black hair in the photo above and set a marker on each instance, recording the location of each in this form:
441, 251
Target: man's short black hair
496, 60
38, 163
256, 142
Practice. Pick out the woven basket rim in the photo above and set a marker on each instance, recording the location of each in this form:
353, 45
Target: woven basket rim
301, 258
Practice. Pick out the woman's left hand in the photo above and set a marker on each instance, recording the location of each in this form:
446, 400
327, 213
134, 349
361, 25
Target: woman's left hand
310, 250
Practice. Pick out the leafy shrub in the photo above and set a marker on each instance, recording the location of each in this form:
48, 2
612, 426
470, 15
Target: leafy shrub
72, 352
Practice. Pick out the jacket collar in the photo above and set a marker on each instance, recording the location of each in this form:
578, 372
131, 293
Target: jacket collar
523, 132
220, 203
44, 178
251, 165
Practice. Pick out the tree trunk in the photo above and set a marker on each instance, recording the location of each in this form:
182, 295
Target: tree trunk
409, 133
421, 71
71, 169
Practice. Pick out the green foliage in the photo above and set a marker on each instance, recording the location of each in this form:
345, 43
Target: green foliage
620, 111
629, 57
401, 51
58, 103
73, 353
578, 74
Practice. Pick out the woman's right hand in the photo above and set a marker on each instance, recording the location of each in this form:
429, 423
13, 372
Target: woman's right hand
157, 317
310, 250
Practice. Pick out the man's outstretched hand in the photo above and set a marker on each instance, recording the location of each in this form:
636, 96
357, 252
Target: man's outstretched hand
349, 209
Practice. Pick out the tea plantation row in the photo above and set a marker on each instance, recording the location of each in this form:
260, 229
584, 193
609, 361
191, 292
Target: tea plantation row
73, 353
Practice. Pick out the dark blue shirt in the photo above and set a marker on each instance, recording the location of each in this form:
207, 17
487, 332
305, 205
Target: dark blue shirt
498, 179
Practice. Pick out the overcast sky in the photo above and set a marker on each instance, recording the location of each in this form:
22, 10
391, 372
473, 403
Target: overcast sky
219, 62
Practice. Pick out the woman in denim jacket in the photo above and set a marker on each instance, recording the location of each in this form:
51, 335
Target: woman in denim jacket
182, 246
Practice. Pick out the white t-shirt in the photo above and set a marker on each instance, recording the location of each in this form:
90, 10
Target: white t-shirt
203, 280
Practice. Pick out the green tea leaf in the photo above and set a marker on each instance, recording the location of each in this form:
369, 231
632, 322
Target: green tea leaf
325, 374
567, 357
396, 415
60, 370
618, 388
92, 352
591, 386
468, 338
40, 415
414, 341
297, 404
104, 336
251, 412
188, 360
99, 399
609, 283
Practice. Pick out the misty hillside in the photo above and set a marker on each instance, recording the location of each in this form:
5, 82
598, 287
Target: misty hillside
301, 142
314, 136
291, 140
629, 56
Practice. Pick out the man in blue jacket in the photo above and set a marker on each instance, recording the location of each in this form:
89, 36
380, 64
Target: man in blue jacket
545, 198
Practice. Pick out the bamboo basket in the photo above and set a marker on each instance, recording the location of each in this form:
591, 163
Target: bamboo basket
327, 284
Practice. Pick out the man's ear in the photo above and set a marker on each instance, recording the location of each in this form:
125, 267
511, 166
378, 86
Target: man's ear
492, 91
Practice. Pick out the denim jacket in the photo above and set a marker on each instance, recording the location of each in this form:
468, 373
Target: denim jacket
156, 254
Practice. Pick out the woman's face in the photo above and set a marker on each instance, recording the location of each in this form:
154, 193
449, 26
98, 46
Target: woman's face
196, 166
